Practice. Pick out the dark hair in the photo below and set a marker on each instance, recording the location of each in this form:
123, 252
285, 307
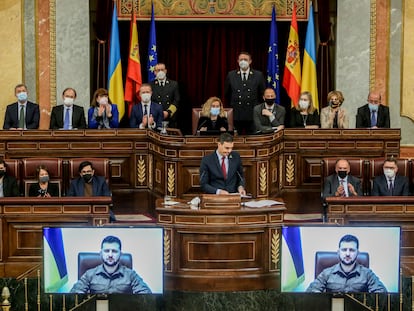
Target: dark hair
20, 85
225, 137
147, 85
391, 159
245, 53
69, 88
111, 239
99, 92
41, 167
84, 164
349, 238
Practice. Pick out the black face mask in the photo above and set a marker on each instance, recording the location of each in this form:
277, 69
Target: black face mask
334, 104
270, 101
87, 177
2, 173
342, 174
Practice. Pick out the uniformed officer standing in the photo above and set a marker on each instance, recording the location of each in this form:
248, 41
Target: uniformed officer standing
244, 89
166, 93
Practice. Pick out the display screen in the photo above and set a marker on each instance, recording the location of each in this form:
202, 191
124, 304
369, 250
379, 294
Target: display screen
88, 260
311, 259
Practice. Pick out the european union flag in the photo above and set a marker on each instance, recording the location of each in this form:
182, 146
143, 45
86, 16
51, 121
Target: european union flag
152, 48
273, 59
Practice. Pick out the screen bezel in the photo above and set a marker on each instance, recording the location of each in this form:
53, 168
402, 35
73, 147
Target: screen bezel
384, 258
147, 259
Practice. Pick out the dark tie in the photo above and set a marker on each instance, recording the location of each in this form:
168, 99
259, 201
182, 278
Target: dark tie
66, 122
244, 76
335, 120
21, 117
145, 110
390, 186
373, 118
223, 167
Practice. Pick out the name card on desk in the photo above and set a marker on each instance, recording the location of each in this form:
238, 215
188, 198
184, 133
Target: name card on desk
214, 201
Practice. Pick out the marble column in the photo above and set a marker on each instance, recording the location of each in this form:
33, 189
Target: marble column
353, 53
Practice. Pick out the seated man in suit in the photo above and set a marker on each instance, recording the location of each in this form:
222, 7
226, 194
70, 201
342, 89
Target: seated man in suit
347, 276
390, 183
8, 184
342, 184
221, 172
269, 116
88, 184
373, 114
146, 114
67, 116
23, 114
110, 277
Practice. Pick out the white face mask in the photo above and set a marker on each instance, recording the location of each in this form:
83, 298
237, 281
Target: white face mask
303, 104
244, 64
146, 97
389, 173
68, 101
103, 100
161, 75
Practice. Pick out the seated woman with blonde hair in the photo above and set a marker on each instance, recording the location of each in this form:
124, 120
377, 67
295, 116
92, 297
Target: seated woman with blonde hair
334, 116
305, 114
213, 117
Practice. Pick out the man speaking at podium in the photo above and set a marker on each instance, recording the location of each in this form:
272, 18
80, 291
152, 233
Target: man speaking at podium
221, 172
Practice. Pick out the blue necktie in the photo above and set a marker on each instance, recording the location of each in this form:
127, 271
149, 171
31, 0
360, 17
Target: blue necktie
373, 118
66, 125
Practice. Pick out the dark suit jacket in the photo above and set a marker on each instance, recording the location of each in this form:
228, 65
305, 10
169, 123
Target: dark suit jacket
401, 186
99, 187
332, 183
137, 113
166, 95
206, 122
244, 95
297, 119
11, 119
363, 118
52, 189
10, 188
211, 175
263, 123
57, 117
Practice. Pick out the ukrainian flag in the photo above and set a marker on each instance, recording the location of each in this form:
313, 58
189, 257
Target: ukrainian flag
293, 271
115, 83
309, 76
56, 273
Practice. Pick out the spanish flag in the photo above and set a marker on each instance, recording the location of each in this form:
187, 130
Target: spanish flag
291, 74
115, 84
133, 77
309, 76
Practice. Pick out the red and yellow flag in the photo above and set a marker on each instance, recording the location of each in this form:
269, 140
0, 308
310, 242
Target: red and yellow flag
133, 77
291, 74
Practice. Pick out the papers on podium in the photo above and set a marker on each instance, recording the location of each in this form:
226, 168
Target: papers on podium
262, 203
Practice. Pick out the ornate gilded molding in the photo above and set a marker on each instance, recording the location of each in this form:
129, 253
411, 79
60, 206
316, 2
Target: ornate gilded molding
213, 9
372, 43
275, 249
167, 249
141, 171
170, 179
52, 49
263, 179
290, 170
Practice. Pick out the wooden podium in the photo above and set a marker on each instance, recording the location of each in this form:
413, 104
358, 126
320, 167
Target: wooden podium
220, 249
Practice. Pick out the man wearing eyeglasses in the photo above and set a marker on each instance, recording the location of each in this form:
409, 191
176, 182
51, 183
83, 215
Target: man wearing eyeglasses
88, 184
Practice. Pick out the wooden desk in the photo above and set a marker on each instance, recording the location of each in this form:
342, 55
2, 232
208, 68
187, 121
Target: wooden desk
23, 218
221, 249
378, 211
169, 164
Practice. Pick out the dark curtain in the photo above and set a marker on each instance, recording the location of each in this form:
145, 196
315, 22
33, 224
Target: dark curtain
199, 54
323, 65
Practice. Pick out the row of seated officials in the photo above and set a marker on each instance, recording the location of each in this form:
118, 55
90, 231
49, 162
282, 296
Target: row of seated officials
376, 177
54, 177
